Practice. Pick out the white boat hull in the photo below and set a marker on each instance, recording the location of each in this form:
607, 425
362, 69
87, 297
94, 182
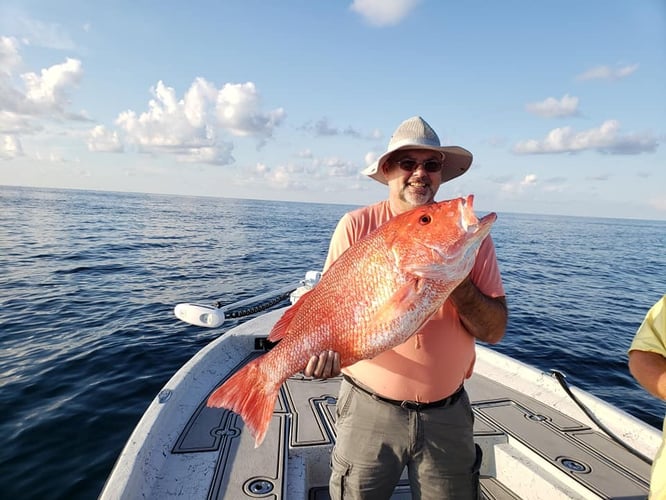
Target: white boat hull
536, 442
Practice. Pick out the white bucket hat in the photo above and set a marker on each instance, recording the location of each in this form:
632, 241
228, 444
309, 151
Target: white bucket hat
415, 133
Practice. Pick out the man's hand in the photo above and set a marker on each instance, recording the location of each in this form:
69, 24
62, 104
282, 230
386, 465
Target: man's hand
324, 366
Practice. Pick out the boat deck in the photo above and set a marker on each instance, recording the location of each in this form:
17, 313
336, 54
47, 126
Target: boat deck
537, 444
518, 434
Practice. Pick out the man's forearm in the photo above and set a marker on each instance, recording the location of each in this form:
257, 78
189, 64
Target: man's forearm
484, 317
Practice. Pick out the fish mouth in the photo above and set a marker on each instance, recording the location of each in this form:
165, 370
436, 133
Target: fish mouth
482, 224
468, 221
475, 230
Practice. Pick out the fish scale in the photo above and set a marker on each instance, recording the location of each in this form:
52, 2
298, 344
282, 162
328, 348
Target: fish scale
375, 296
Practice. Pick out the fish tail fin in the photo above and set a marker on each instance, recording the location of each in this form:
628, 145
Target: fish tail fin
250, 394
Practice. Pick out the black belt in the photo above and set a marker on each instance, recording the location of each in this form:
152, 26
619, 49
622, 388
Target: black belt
407, 404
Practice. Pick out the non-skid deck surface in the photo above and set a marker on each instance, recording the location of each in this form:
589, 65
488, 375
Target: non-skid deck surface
302, 433
576, 451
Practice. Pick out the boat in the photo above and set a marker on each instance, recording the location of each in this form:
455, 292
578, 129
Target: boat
541, 438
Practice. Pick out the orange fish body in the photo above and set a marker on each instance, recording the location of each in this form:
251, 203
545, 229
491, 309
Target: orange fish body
373, 297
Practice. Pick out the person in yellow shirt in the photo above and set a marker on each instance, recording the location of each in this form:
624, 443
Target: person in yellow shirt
647, 363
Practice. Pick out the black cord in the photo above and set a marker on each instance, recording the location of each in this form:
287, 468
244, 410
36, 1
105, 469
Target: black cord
560, 378
255, 309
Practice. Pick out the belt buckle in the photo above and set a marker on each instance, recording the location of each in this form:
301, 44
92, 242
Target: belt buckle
411, 405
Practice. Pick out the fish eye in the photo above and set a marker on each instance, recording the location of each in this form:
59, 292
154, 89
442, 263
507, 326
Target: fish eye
425, 219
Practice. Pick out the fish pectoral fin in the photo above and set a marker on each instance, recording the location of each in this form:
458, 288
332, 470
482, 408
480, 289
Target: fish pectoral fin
280, 328
399, 303
435, 272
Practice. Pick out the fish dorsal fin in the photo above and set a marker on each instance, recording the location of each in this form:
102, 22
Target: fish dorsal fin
399, 303
280, 328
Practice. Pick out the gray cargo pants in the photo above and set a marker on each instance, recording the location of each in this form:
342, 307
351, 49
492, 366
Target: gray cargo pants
377, 440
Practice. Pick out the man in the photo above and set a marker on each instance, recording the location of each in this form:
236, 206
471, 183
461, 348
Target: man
647, 363
407, 407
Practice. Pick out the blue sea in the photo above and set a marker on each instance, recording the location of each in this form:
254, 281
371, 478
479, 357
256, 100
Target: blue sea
88, 282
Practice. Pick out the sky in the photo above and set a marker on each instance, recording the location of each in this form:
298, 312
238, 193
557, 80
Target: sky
563, 104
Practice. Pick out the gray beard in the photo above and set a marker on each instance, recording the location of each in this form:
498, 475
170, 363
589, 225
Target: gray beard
416, 199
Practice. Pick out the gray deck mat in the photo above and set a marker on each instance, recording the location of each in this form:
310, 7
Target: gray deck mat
303, 429
589, 457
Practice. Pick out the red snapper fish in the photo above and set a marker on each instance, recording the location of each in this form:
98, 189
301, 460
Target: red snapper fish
374, 297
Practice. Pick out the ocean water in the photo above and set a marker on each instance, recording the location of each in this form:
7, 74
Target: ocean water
88, 281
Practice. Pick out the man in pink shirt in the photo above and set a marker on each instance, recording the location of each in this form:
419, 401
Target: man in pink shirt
407, 407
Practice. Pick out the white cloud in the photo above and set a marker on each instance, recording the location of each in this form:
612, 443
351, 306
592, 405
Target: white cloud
338, 167
384, 12
604, 139
43, 94
238, 111
196, 102
322, 128
52, 157
261, 169
168, 122
10, 147
14, 123
9, 56
10, 60
288, 177
304, 174
48, 90
371, 157
190, 128
551, 107
32, 98
218, 154
100, 139
607, 73
376, 134
528, 180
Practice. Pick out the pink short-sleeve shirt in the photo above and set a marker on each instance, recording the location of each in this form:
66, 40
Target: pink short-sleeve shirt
434, 362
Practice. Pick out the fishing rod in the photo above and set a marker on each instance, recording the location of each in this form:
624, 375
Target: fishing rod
212, 316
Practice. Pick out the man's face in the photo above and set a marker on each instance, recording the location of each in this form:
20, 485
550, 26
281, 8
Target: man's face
411, 179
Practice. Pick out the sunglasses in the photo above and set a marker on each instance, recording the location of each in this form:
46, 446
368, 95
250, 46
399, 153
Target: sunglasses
410, 164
